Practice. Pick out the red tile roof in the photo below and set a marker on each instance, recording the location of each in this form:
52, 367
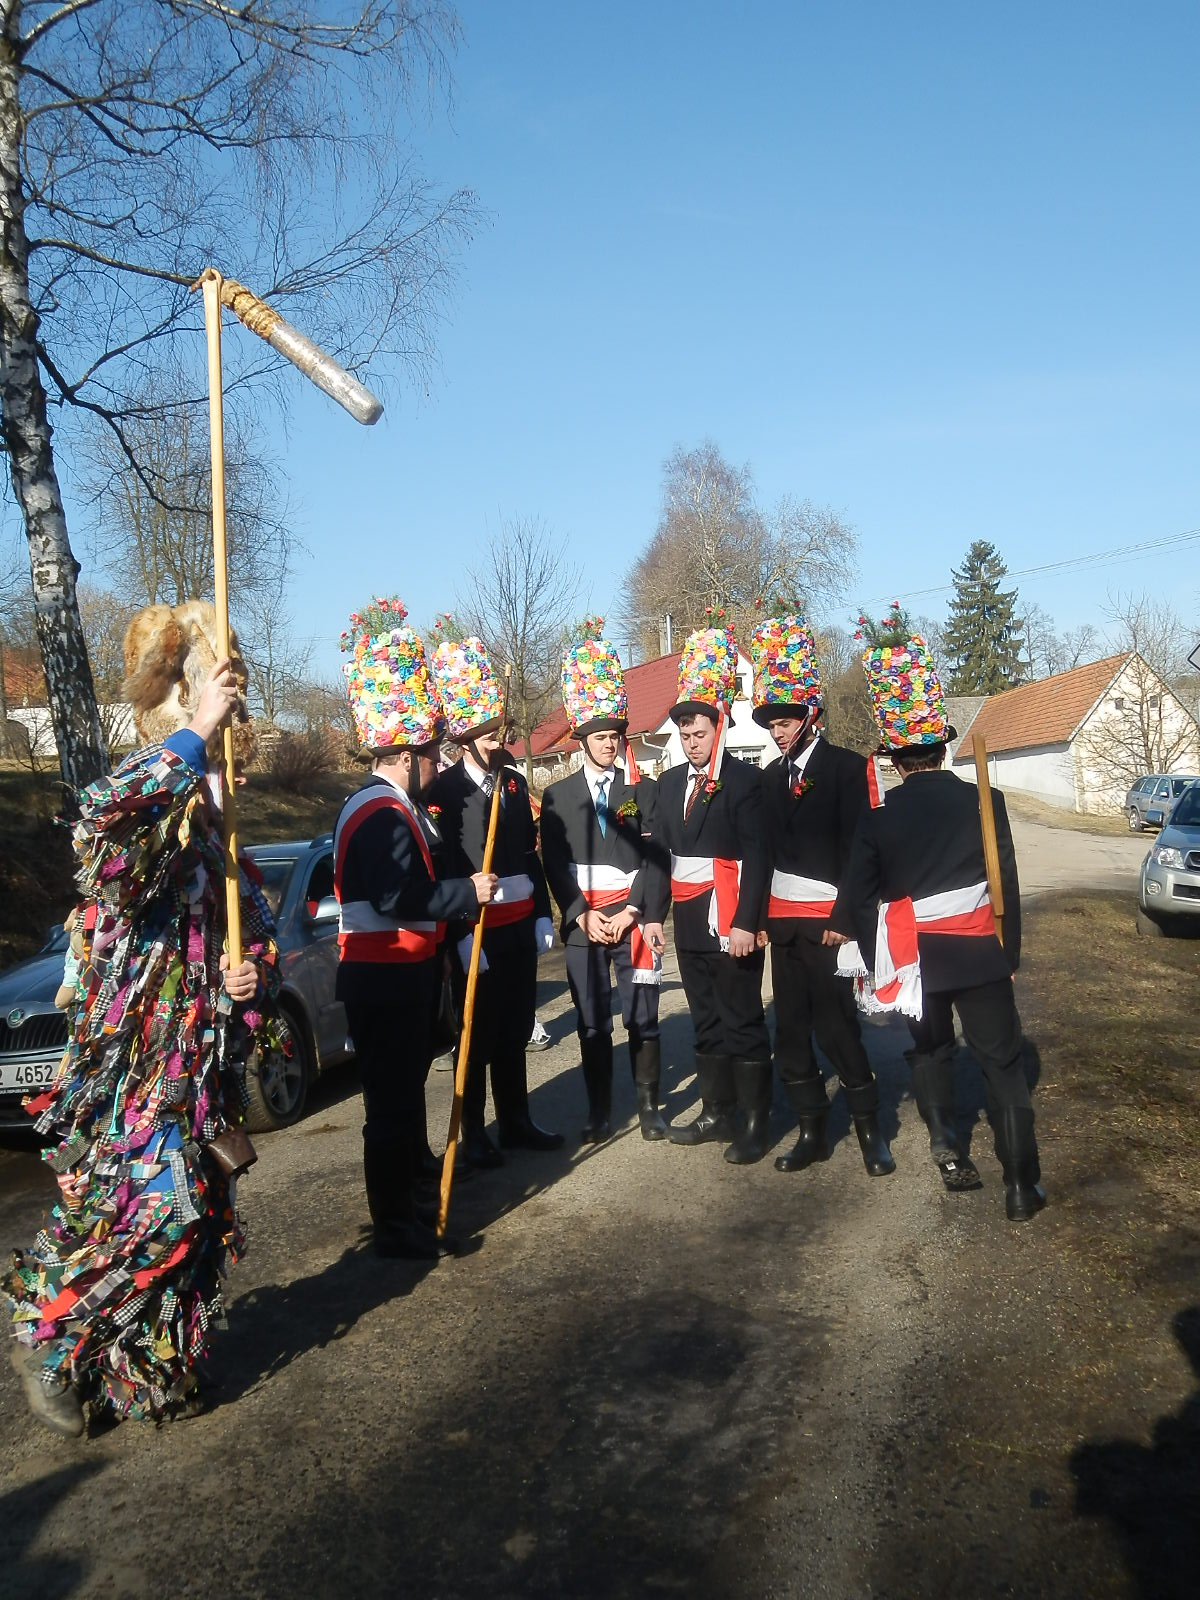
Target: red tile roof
23, 680
1042, 713
651, 689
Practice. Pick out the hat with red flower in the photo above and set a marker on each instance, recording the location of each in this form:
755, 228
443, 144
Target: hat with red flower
707, 674
471, 695
787, 679
593, 689
906, 694
392, 696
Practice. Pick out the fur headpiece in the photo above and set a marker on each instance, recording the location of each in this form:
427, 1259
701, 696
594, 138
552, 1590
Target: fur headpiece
169, 653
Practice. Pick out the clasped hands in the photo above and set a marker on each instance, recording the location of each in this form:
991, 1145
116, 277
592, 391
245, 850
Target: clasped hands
601, 929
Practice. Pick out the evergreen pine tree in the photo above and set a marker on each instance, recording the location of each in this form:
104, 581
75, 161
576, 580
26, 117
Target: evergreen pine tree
982, 636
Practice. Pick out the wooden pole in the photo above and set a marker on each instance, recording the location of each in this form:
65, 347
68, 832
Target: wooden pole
987, 817
468, 1016
211, 285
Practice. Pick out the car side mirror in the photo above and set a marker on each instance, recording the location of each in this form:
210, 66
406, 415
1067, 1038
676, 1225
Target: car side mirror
1154, 818
322, 912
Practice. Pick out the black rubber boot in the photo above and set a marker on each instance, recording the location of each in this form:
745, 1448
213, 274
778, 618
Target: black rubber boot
864, 1108
597, 1058
810, 1146
515, 1127
1017, 1149
753, 1082
718, 1101
476, 1148
388, 1173
933, 1084
645, 1057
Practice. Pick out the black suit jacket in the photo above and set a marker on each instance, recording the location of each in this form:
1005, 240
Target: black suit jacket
571, 833
727, 825
463, 812
925, 840
811, 834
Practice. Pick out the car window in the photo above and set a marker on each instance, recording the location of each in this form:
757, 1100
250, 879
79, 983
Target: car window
1187, 812
1143, 786
1178, 785
276, 870
320, 881
1164, 790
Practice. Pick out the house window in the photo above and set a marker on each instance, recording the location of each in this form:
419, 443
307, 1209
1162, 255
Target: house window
753, 756
1154, 702
1119, 702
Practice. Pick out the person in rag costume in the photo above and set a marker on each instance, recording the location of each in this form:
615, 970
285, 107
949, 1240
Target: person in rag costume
710, 819
813, 797
115, 1301
607, 875
916, 893
394, 899
518, 925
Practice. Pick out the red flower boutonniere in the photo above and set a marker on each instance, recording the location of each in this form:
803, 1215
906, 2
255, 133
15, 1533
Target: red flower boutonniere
801, 786
434, 811
513, 786
711, 788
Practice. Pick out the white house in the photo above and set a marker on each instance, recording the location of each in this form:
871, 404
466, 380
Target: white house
652, 734
1079, 739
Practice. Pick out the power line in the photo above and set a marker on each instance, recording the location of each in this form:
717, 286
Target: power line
1098, 558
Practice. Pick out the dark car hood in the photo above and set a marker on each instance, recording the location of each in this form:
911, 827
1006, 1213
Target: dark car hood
1179, 839
34, 980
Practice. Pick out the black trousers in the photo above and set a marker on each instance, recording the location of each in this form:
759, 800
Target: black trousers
504, 1005
724, 996
393, 1044
590, 970
811, 999
992, 1029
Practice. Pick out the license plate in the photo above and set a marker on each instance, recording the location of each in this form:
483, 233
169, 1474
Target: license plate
26, 1075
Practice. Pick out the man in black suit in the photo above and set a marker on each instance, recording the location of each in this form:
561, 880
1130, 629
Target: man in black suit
920, 859
710, 818
516, 929
607, 876
812, 800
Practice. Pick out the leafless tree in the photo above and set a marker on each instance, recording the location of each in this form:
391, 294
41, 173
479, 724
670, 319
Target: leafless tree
849, 720
105, 617
518, 599
1049, 651
143, 139
717, 554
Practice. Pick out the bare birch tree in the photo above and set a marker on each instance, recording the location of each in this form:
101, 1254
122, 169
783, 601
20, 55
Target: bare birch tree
518, 599
141, 140
716, 553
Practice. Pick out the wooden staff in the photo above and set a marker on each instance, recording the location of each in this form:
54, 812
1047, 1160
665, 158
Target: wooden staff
468, 1016
336, 382
991, 851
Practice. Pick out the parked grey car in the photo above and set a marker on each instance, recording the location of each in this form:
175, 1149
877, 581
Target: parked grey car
1169, 892
298, 884
1158, 793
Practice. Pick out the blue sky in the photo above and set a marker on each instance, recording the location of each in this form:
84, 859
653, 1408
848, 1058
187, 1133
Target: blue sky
933, 265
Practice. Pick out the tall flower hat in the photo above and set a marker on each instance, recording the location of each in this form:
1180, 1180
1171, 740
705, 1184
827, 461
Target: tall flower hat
593, 688
707, 674
906, 694
472, 697
392, 694
787, 678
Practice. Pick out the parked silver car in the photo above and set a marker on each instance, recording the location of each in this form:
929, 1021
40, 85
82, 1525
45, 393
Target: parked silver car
1156, 793
298, 884
1169, 892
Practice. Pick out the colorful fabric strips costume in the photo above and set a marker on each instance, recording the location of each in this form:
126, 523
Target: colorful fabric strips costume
123, 1284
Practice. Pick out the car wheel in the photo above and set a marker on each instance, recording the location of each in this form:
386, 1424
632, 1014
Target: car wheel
1147, 927
1135, 820
277, 1082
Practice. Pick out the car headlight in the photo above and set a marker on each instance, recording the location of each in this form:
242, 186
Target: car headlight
1166, 855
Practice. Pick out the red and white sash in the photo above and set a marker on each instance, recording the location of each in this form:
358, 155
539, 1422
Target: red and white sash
512, 902
364, 935
796, 896
603, 886
716, 876
896, 982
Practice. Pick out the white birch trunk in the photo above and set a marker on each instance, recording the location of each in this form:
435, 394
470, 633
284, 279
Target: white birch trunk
26, 431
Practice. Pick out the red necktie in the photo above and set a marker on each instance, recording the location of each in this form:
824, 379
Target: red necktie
697, 780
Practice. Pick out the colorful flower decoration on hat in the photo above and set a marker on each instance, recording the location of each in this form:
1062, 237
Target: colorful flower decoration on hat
593, 684
784, 657
708, 668
470, 692
392, 695
906, 694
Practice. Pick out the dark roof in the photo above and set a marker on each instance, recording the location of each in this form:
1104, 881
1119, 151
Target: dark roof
1042, 713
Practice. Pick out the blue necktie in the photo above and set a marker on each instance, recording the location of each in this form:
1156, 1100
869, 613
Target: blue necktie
602, 804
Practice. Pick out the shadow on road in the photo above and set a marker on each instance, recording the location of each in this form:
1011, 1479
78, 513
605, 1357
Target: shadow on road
1151, 1495
22, 1512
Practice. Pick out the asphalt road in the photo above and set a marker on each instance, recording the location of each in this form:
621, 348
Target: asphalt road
652, 1373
